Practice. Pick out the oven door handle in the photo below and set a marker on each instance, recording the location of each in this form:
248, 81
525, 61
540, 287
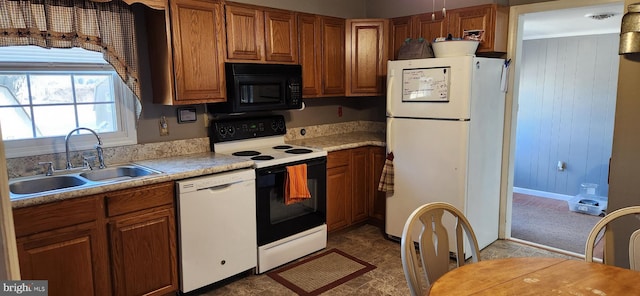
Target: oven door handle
276, 171
283, 169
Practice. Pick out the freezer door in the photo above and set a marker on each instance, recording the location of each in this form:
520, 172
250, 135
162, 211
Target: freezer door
429, 166
442, 87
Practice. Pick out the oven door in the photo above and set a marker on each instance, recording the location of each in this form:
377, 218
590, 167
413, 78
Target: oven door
275, 220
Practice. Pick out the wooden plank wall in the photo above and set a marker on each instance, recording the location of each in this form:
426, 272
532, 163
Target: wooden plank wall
566, 113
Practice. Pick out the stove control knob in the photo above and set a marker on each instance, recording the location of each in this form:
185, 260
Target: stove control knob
222, 131
280, 125
231, 130
274, 125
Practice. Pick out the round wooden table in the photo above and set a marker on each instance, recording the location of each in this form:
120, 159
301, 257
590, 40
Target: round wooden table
537, 276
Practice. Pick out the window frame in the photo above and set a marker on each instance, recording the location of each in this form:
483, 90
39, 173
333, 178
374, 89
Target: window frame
125, 109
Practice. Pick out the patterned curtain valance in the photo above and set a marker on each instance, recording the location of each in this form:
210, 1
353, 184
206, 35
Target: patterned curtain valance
103, 26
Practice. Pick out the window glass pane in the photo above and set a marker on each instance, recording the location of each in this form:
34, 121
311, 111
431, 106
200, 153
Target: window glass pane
106, 117
45, 93
54, 120
51, 89
14, 89
93, 88
17, 123
98, 117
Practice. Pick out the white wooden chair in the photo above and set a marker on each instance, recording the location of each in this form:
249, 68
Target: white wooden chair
431, 260
634, 240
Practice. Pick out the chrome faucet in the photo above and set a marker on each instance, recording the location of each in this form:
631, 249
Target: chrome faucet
98, 147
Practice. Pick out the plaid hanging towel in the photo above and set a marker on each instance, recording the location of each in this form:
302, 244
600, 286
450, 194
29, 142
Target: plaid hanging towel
386, 179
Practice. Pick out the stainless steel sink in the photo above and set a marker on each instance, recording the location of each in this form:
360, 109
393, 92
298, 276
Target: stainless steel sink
74, 179
45, 184
118, 172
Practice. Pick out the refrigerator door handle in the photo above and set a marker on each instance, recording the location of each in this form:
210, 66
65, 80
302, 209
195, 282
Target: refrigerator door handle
390, 91
389, 141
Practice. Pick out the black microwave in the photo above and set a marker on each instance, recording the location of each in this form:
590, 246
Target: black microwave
261, 87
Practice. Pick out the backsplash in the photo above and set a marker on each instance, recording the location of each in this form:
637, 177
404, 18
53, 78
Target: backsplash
28, 166
336, 128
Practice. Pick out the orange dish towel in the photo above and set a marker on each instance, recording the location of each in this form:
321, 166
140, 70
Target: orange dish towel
295, 184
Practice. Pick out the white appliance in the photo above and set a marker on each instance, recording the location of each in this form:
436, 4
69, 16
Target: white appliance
445, 121
284, 232
217, 227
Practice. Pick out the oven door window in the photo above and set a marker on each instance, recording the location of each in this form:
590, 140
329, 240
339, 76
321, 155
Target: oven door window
276, 219
279, 212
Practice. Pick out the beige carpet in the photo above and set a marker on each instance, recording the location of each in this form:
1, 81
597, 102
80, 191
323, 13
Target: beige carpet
320, 273
549, 222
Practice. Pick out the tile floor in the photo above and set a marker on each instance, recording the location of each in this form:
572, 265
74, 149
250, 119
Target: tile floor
369, 244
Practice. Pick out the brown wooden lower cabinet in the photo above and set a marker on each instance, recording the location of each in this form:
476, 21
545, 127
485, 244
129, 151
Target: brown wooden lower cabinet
352, 187
81, 250
359, 184
72, 259
338, 190
143, 253
377, 199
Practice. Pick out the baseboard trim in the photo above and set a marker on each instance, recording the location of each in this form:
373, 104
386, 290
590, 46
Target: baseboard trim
552, 195
548, 248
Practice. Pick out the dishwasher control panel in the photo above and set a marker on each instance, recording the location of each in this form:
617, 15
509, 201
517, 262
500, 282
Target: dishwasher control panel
216, 180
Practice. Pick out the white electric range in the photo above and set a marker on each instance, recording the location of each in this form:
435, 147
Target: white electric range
284, 232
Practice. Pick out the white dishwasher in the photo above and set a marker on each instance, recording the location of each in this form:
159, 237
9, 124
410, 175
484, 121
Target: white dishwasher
216, 227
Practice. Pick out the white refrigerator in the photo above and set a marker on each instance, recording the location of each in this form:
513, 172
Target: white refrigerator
445, 121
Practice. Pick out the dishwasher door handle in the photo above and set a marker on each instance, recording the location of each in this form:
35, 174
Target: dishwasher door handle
216, 188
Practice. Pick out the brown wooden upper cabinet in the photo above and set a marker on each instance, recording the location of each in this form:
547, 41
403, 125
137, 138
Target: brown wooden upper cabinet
491, 18
260, 34
322, 55
310, 54
332, 32
429, 28
366, 56
401, 28
187, 58
415, 27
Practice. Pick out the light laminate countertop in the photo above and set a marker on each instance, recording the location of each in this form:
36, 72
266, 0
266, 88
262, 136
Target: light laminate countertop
194, 165
172, 168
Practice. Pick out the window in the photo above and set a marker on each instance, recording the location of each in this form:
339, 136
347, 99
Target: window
45, 93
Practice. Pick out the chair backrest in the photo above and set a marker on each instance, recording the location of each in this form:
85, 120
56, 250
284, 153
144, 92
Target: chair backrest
430, 260
634, 240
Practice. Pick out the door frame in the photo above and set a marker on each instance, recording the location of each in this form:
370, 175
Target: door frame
9, 261
514, 52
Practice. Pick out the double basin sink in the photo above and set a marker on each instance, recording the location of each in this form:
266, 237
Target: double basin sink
76, 179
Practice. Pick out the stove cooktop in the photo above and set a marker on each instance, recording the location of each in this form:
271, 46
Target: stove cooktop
260, 139
269, 155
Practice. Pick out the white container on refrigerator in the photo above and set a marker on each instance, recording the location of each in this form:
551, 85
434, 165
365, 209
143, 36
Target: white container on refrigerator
445, 120
216, 227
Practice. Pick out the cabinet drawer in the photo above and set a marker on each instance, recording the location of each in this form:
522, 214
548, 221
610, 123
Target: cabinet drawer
338, 158
50, 216
131, 200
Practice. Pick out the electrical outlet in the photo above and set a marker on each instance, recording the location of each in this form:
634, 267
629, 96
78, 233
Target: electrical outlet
164, 126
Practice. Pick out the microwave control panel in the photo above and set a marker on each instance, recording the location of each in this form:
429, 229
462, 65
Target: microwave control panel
295, 89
